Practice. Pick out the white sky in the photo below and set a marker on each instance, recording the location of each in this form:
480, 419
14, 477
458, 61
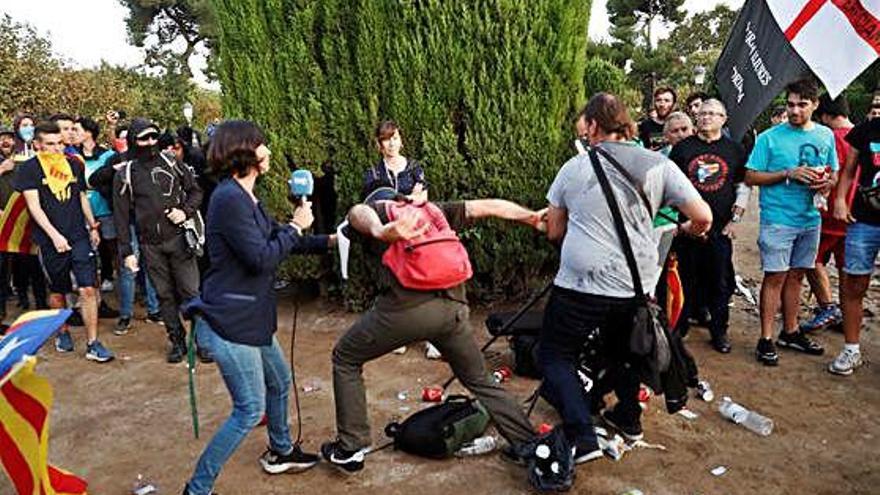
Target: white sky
88, 31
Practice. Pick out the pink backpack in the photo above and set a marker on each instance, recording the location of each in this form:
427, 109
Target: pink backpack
435, 260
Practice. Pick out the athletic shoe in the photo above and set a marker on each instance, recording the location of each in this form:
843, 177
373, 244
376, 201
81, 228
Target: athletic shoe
64, 342
587, 454
845, 363
107, 286
203, 355
155, 318
432, 352
123, 325
631, 432
347, 461
275, 463
105, 311
96, 351
766, 353
799, 341
721, 344
826, 316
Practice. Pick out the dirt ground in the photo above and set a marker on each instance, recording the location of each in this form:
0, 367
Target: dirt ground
112, 422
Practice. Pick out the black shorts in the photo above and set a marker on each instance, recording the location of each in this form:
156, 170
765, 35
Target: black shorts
80, 261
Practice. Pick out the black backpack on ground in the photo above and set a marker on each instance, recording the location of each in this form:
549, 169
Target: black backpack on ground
440, 430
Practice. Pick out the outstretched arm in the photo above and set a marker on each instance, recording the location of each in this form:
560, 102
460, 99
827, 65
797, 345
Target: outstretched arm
505, 210
365, 220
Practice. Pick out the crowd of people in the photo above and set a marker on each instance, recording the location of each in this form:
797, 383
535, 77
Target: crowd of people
104, 216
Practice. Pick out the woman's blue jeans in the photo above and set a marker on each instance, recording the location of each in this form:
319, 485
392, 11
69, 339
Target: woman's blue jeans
258, 379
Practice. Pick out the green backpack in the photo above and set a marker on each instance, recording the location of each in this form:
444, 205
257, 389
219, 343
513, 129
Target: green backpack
440, 430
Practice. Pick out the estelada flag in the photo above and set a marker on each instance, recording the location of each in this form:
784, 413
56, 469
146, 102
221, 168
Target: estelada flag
776, 42
674, 291
16, 226
25, 404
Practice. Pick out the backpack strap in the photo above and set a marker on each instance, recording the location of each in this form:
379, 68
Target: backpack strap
619, 225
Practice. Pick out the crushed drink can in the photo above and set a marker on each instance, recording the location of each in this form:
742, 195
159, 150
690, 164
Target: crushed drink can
432, 394
544, 428
502, 374
644, 397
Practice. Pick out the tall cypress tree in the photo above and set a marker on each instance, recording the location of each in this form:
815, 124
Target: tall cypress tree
484, 91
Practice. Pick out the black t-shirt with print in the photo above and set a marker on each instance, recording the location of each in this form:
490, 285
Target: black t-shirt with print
714, 169
65, 213
651, 134
865, 138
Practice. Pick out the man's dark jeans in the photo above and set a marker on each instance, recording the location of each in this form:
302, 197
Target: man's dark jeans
175, 276
569, 319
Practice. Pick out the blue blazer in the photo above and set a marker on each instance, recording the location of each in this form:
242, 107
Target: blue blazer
245, 246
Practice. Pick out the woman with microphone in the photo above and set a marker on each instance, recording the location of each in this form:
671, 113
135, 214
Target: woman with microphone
236, 313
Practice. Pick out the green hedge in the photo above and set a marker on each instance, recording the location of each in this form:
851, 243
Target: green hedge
484, 90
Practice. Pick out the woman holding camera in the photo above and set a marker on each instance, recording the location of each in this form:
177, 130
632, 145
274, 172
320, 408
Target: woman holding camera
236, 312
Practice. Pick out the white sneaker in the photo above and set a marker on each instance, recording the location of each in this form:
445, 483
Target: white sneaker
431, 352
845, 363
107, 286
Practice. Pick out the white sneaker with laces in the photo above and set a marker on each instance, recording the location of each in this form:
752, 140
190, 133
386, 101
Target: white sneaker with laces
845, 363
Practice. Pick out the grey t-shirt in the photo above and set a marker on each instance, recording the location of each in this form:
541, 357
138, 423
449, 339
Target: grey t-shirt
592, 259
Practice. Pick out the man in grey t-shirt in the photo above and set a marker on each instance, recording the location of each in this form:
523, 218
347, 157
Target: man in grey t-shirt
593, 293
592, 260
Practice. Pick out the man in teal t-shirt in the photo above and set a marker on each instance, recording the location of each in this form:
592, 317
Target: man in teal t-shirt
792, 163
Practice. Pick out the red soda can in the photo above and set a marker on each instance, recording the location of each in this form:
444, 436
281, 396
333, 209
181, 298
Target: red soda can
544, 428
502, 374
644, 397
432, 394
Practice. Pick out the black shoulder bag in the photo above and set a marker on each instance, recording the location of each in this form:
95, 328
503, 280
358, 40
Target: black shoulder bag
648, 336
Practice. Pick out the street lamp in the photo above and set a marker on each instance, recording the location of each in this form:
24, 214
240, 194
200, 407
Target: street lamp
699, 75
188, 112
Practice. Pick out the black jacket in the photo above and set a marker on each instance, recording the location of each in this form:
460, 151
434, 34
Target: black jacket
157, 184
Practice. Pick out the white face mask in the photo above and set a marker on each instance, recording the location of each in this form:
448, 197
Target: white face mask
26, 132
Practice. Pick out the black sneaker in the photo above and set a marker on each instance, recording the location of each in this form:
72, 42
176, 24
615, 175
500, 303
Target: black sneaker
186, 490
123, 325
721, 344
587, 453
176, 353
105, 311
203, 355
513, 455
631, 432
766, 353
297, 460
155, 318
347, 461
799, 341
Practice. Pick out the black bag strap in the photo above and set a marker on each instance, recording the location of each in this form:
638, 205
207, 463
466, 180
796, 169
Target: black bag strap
628, 176
618, 224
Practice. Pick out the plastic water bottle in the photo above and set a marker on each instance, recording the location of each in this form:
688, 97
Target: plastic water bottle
478, 446
751, 420
704, 391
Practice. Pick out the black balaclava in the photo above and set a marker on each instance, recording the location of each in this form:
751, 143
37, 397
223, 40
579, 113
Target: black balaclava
136, 151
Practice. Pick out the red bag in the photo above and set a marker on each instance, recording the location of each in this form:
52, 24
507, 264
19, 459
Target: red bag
435, 260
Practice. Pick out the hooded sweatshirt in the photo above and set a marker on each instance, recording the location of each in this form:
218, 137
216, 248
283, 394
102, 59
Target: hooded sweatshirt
155, 188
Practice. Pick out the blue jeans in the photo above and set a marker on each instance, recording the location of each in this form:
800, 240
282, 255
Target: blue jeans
258, 379
127, 285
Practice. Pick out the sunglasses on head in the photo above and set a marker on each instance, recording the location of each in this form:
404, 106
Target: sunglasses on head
146, 137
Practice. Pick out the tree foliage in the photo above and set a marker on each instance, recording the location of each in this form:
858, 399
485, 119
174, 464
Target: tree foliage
484, 91
36, 81
170, 31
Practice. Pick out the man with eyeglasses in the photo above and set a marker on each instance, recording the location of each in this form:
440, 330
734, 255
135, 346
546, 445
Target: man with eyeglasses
792, 162
715, 165
161, 194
